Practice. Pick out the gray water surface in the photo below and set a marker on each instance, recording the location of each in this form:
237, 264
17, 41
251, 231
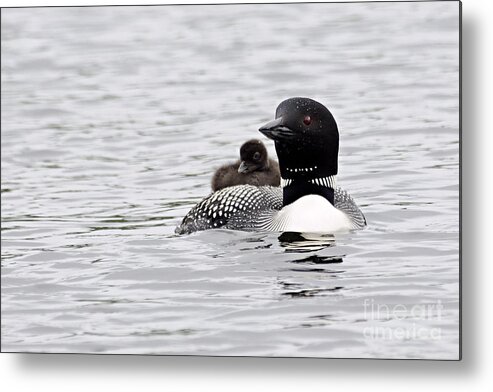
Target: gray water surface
113, 121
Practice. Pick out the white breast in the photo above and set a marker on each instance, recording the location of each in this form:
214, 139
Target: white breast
311, 214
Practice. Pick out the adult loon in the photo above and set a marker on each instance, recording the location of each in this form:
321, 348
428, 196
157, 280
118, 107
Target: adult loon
254, 168
307, 145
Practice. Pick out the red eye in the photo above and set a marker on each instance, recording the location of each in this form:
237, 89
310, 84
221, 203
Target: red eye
307, 120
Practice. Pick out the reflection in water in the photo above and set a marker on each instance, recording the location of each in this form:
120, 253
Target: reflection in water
316, 259
311, 292
309, 242
298, 290
305, 242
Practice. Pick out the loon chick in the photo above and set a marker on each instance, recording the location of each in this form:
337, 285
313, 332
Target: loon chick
307, 145
254, 168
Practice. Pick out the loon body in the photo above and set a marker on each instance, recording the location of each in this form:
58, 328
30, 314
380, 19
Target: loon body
307, 145
252, 208
253, 168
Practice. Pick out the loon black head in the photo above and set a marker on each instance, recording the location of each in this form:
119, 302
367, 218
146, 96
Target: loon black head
253, 156
307, 145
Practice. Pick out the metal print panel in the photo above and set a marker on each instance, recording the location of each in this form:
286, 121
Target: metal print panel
144, 213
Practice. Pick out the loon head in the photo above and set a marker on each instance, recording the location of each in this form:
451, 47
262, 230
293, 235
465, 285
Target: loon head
306, 139
253, 157
307, 145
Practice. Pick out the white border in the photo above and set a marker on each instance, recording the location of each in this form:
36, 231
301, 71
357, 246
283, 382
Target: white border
126, 373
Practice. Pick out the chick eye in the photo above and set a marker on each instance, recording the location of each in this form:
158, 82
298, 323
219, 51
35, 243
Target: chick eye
256, 156
307, 120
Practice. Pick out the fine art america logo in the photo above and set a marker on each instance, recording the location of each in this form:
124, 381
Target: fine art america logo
409, 321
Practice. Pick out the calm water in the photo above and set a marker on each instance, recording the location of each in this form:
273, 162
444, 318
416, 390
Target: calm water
113, 120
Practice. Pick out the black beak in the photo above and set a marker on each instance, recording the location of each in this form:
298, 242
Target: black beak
244, 167
276, 131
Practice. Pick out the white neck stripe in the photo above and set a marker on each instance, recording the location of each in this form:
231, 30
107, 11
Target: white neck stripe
329, 182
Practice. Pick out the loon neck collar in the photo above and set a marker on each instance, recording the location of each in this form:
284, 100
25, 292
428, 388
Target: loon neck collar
293, 189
